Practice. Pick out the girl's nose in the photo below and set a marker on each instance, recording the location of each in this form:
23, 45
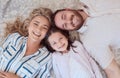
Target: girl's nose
59, 44
68, 21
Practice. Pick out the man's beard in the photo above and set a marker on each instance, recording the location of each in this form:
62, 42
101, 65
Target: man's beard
80, 18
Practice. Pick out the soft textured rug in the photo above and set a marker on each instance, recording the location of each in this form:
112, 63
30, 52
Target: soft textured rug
10, 9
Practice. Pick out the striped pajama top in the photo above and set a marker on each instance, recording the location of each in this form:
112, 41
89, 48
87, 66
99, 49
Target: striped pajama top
12, 58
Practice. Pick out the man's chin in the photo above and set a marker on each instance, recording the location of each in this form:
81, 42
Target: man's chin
77, 27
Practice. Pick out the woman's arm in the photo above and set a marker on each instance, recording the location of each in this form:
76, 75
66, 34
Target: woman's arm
45, 71
8, 75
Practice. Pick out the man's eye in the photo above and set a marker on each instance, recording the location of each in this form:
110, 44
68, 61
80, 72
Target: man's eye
65, 25
64, 17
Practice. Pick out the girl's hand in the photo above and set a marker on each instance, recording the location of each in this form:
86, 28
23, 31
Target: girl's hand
8, 75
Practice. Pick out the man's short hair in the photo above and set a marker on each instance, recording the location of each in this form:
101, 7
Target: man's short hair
53, 16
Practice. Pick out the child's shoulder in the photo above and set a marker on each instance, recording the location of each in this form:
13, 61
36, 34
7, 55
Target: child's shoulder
76, 43
56, 54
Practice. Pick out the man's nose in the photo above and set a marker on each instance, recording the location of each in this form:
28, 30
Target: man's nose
68, 21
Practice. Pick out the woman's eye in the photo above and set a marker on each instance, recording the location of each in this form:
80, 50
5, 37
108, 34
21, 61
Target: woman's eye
45, 28
35, 24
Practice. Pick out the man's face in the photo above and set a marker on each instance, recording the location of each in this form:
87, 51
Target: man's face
68, 20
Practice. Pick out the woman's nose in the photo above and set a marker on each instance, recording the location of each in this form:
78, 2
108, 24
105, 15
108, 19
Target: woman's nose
38, 30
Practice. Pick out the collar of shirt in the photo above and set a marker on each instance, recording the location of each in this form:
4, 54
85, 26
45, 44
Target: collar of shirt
84, 26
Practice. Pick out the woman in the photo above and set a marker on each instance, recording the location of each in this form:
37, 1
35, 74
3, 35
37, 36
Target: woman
23, 53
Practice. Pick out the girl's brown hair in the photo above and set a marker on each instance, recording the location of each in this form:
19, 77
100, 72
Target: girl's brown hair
53, 30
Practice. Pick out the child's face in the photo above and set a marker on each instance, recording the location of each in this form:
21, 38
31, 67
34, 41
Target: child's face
58, 42
38, 28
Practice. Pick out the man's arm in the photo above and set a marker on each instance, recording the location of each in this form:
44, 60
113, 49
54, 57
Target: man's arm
113, 70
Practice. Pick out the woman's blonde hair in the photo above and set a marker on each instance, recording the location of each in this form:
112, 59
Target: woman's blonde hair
21, 26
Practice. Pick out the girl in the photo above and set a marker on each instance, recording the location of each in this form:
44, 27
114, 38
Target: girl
23, 53
70, 59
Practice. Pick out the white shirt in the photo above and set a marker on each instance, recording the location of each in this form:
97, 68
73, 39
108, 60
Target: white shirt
12, 58
102, 33
75, 64
101, 7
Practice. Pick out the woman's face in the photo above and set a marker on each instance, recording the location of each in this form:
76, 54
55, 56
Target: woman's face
58, 42
38, 28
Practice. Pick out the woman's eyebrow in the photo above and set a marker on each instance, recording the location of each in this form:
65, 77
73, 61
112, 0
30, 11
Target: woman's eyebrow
37, 21
46, 26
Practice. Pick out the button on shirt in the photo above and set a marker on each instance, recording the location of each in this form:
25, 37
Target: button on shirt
12, 58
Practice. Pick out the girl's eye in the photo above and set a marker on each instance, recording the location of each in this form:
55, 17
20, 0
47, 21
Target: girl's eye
54, 43
61, 38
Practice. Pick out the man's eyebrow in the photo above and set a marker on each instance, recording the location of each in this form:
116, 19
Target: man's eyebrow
62, 16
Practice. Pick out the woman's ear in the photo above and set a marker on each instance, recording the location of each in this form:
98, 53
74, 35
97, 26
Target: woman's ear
26, 27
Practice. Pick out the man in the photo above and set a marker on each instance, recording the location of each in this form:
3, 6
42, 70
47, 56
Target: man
99, 7
99, 34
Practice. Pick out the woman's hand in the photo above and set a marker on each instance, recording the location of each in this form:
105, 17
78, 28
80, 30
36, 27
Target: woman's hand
8, 75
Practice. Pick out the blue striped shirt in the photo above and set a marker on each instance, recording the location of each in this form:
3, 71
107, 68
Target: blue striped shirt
12, 59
